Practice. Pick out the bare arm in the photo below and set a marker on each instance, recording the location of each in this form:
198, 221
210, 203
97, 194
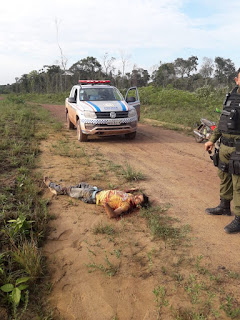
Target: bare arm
131, 190
113, 213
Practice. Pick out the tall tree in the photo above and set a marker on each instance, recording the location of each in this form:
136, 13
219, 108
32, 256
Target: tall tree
108, 63
207, 68
125, 57
225, 70
87, 68
186, 67
139, 77
164, 75
63, 59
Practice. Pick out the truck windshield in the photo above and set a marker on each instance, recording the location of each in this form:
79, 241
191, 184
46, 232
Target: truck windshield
100, 94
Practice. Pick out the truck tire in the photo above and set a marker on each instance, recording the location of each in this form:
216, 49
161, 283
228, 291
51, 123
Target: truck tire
70, 125
131, 135
80, 135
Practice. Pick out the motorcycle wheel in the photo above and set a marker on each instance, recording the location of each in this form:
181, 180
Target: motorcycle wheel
197, 137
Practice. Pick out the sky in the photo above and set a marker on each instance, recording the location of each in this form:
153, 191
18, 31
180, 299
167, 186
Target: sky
143, 32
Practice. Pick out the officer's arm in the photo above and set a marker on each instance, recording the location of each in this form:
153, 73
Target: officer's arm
209, 146
215, 135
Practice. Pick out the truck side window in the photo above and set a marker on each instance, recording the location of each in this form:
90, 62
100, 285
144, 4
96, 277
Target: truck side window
75, 95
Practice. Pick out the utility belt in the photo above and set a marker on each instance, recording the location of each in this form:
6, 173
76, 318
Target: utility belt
230, 142
233, 167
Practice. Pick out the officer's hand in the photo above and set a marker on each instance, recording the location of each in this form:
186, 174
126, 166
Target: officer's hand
208, 146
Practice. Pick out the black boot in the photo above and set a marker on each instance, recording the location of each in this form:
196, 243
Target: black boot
222, 209
234, 226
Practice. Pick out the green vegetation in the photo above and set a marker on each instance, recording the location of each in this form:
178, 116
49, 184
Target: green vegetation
51, 98
180, 107
162, 226
130, 174
23, 214
102, 228
108, 268
160, 298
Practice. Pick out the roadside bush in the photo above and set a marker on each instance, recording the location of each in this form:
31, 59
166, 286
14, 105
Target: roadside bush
23, 214
180, 107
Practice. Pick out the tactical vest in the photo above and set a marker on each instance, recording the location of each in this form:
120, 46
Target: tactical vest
230, 117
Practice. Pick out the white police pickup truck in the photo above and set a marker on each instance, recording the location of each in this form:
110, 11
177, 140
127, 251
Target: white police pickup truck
96, 108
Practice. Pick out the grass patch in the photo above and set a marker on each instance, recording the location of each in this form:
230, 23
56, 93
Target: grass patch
23, 214
180, 107
108, 268
49, 98
162, 226
102, 228
130, 174
66, 149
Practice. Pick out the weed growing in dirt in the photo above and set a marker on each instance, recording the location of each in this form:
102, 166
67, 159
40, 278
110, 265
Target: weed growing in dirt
102, 228
109, 268
233, 275
193, 288
188, 314
66, 149
161, 225
15, 293
132, 175
29, 258
231, 307
160, 298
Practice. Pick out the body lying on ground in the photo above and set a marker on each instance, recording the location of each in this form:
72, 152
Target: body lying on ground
115, 202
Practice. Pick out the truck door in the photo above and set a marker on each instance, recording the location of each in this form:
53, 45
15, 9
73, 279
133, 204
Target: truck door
73, 102
132, 98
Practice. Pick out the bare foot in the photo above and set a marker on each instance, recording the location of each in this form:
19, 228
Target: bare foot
47, 182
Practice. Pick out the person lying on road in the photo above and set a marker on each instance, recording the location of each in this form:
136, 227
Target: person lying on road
115, 202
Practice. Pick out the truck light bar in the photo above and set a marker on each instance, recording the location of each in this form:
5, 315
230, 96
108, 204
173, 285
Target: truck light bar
94, 81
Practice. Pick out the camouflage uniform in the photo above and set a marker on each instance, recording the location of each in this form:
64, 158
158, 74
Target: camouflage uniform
230, 184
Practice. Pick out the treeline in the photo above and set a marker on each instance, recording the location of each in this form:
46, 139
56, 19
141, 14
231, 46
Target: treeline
183, 74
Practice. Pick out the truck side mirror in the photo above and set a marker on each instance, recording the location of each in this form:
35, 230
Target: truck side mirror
131, 99
71, 100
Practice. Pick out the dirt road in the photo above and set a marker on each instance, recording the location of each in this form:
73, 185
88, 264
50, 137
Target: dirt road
178, 172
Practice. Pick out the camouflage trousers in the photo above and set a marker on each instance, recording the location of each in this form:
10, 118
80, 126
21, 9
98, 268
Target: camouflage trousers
229, 183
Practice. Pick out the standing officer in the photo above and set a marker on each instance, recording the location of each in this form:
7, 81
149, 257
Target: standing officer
228, 158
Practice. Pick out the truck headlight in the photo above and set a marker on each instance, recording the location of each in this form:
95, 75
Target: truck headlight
132, 113
90, 114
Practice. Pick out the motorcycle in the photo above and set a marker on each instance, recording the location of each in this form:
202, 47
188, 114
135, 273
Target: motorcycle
204, 130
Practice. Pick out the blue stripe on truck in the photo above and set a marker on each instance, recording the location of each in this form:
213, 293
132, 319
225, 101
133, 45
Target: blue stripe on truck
123, 106
94, 105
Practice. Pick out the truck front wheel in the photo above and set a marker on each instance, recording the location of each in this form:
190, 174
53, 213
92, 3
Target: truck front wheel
80, 135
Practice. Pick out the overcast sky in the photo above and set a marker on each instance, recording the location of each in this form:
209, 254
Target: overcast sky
149, 31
